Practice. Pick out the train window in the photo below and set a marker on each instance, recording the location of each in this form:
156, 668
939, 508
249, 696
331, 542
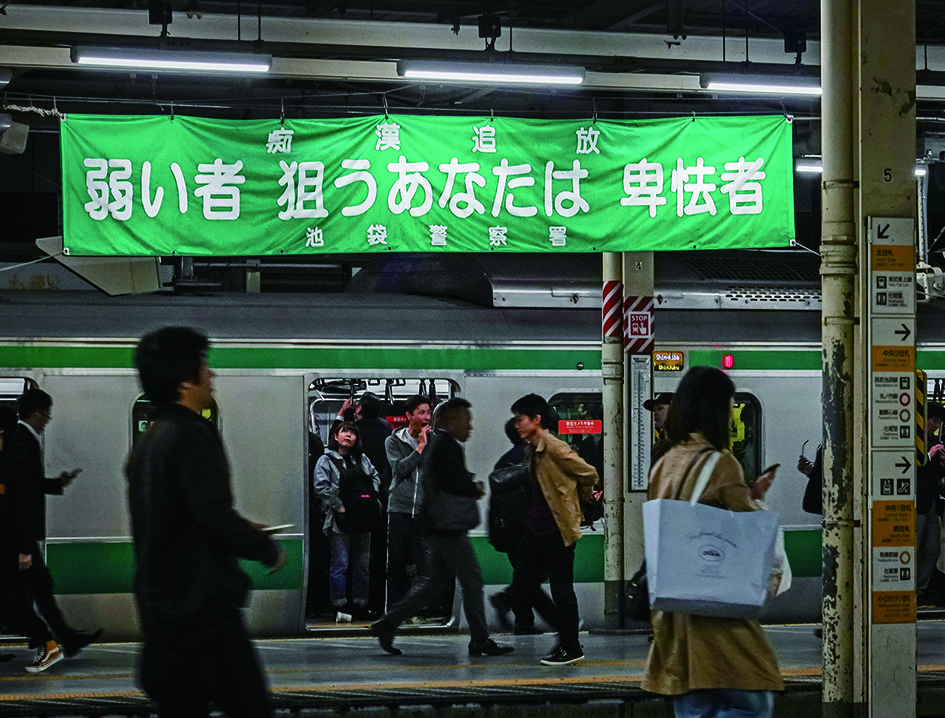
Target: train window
140, 422
12, 387
580, 423
328, 395
746, 435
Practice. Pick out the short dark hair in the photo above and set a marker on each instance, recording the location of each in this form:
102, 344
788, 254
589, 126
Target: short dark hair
532, 405
414, 402
512, 432
357, 449
370, 405
934, 410
450, 409
32, 400
167, 357
702, 403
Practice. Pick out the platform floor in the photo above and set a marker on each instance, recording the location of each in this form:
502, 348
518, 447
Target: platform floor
312, 676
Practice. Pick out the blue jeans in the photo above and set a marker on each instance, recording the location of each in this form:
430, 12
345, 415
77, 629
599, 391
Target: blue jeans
724, 703
349, 553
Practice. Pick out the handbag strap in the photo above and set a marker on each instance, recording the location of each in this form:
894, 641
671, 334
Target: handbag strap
692, 462
704, 476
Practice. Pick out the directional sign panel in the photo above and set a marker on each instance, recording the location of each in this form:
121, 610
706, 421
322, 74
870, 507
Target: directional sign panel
893, 376
893, 475
892, 230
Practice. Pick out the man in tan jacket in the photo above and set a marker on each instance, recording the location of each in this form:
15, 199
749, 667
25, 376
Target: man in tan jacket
560, 478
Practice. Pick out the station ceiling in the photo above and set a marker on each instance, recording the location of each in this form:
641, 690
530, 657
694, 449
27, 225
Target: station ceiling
642, 57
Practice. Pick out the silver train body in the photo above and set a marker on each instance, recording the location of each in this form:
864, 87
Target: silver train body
283, 365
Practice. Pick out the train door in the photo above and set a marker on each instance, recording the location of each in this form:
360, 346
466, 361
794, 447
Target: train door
383, 399
579, 422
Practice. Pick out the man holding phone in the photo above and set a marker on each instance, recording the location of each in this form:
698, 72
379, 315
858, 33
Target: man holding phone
34, 409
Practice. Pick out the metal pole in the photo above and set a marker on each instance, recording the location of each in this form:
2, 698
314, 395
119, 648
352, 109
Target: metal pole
838, 273
612, 369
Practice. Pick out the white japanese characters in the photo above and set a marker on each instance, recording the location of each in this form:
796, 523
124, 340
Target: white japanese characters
387, 181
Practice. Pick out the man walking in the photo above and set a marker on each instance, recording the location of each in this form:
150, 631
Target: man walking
187, 539
560, 478
449, 512
34, 581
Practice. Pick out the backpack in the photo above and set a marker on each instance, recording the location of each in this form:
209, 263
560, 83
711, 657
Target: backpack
362, 504
508, 506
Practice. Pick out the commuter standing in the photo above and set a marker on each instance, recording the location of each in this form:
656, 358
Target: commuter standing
404, 449
349, 486
34, 408
928, 487
659, 405
720, 667
449, 511
560, 479
187, 541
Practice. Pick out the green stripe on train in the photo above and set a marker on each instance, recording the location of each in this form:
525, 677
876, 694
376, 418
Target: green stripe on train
224, 357
759, 358
106, 567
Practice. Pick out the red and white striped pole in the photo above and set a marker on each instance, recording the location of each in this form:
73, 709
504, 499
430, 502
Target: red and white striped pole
612, 371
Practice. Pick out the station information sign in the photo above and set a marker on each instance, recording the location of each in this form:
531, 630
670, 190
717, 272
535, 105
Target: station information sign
892, 419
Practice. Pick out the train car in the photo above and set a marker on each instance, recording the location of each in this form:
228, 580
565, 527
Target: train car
285, 363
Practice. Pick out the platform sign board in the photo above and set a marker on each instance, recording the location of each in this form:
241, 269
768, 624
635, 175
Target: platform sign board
892, 388
893, 381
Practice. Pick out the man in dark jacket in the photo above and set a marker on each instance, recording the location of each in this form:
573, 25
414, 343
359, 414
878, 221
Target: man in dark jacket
34, 408
445, 479
187, 539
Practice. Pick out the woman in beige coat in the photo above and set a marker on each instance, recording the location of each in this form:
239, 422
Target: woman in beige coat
713, 667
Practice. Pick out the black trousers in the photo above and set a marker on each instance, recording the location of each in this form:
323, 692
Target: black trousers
536, 557
185, 667
16, 608
36, 586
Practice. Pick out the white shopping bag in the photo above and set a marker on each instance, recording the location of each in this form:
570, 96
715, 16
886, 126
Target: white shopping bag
708, 561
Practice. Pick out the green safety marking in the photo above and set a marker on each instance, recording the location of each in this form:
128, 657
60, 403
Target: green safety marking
93, 567
223, 357
759, 359
107, 567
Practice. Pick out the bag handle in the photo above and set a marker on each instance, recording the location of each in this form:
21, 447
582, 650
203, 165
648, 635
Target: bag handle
704, 477
692, 462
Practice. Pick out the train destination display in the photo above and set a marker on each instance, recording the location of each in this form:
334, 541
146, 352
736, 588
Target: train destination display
161, 186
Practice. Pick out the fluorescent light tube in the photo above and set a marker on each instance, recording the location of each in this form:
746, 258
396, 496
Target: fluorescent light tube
763, 88
181, 61
809, 167
492, 73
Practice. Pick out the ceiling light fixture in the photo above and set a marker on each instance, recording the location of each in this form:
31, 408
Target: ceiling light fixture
770, 85
490, 72
180, 61
813, 166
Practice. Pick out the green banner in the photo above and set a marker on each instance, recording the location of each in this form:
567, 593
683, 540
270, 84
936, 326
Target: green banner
159, 186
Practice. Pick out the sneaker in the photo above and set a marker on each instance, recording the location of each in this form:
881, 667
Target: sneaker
79, 640
385, 636
342, 617
489, 647
46, 655
562, 657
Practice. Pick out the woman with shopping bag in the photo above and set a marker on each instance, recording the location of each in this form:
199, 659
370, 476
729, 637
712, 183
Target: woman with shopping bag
712, 666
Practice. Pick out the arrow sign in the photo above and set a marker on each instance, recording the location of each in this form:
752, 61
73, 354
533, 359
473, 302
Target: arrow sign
882, 231
904, 333
904, 464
